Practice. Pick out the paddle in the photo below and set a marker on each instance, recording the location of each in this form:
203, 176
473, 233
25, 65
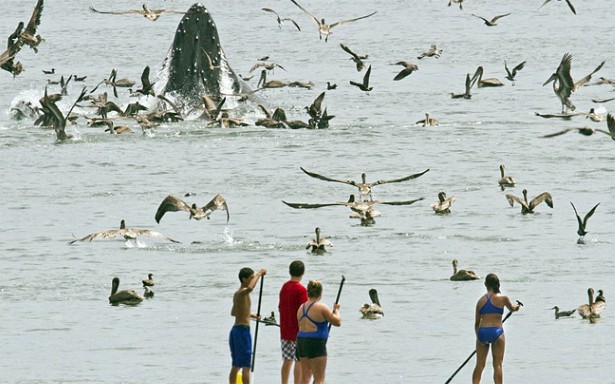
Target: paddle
339, 292
258, 313
474, 352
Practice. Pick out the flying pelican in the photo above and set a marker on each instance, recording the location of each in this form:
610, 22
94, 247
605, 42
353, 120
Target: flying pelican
432, 52
462, 274
408, 69
281, 20
174, 204
127, 297
559, 313
490, 82
492, 22
583, 223
505, 181
365, 188
588, 131
27, 35
528, 207
443, 205
358, 59
126, 233
324, 29
150, 14
318, 243
563, 85
372, 311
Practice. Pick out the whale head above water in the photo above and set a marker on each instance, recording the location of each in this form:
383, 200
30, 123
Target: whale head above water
196, 64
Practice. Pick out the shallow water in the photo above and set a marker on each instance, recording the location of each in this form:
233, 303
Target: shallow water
54, 315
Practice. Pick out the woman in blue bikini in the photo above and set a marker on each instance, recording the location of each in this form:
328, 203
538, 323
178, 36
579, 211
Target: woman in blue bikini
314, 318
488, 328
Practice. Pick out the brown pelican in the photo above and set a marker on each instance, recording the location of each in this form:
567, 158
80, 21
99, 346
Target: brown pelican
593, 116
462, 274
443, 205
492, 22
567, 2
563, 85
267, 66
505, 181
358, 59
28, 35
528, 207
372, 311
432, 52
127, 297
149, 282
585, 310
150, 14
263, 83
362, 210
588, 131
456, 2
126, 233
428, 121
318, 244
408, 69
490, 82
466, 95
559, 313
174, 204
583, 223
510, 75
365, 188
281, 20
364, 86
116, 129
324, 29
58, 118
301, 84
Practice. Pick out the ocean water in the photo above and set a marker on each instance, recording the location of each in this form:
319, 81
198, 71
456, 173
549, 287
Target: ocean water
55, 320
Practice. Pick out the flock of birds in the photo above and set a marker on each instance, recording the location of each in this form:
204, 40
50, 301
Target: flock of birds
362, 207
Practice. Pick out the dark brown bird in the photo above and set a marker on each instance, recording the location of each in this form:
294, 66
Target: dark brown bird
408, 69
528, 206
510, 75
147, 86
358, 59
149, 282
150, 14
466, 95
364, 86
281, 20
492, 22
583, 223
567, 2
174, 204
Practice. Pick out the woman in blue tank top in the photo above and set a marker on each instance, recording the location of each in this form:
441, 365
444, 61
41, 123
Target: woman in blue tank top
314, 318
488, 328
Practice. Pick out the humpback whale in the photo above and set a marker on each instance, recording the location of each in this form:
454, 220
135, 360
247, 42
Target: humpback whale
196, 64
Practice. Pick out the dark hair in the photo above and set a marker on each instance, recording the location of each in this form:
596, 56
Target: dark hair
314, 289
492, 281
296, 268
244, 273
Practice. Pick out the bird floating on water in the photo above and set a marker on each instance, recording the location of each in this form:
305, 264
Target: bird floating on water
126, 297
374, 310
559, 313
149, 282
505, 181
443, 205
318, 244
462, 274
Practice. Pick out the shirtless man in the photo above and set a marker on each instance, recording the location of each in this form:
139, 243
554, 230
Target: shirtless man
240, 340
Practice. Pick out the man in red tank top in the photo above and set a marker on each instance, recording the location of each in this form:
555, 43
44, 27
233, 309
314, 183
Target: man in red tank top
292, 295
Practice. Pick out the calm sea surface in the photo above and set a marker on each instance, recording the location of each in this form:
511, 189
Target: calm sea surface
55, 320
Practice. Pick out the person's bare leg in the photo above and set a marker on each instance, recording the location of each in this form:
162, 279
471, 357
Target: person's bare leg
285, 371
319, 364
306, 370
497, 353
297, 373
245, 375
481, 358
232, 376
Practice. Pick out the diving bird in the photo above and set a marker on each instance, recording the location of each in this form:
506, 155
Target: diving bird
364, 86
150, 14
588, 131
149, 282
319, 244
28, 35
358, 59
466, 95
126, 233
583, 223
567, 2
281, 20
505, 181
324, 29
559, 313
428, 121
492, 22
374, 310
408, 69
443, 205
462, 274
432, 52
528, 207
365, 188
126, 297
58, 119
510, 75
490, 82
563, 85
175, 204
362, 210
